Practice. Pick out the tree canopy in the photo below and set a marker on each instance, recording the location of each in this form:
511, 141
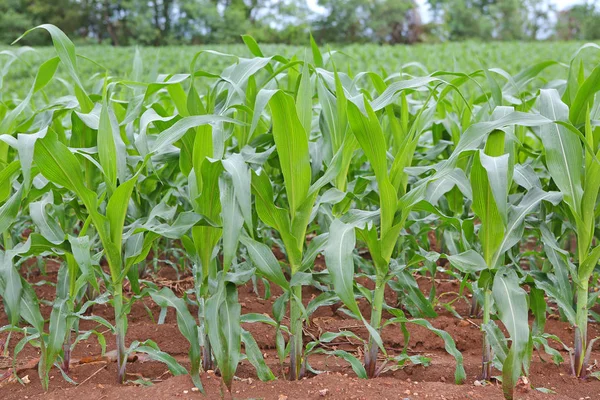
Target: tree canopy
162, 22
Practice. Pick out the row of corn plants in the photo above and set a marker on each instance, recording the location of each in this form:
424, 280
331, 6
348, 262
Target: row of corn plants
446, 173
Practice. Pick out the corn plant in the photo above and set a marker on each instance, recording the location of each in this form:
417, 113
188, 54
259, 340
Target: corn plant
394, 208
565, 152
502, 225
73, 276
291, 125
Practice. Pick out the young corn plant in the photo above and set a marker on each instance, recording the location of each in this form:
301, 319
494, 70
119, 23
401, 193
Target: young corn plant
21, 301
49, 240
395, 204
218, 309
61, 167
291, 122
501, 227
56, 343
566, 152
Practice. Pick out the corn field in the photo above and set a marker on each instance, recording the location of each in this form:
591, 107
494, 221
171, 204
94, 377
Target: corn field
316, 185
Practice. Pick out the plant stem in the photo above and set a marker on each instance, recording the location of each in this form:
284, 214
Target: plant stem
296, 333
486, 362
155, 251
6, 352
581, 318
43, 371
67, 352
581, 329
120, 327
207, 361
376, 309
474, 307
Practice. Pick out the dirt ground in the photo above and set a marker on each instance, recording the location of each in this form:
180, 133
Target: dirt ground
97, 380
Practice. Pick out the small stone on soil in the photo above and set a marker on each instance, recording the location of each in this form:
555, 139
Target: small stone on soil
523, 385
323, 392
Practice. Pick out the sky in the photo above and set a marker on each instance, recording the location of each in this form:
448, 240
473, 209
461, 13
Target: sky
560, 5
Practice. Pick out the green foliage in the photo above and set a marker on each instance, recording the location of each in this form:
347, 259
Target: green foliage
236, 170
169, 22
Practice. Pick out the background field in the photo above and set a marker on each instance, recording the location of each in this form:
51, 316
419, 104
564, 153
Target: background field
420, 59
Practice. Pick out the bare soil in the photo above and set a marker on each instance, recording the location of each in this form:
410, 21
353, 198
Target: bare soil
97, 380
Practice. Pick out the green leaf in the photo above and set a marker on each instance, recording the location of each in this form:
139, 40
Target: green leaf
484, 205
354, 362
450, 346
12, 286
59, 165
252, 45
468, 262
157, 355
179, 128
255, 357
412, 297
584, 97
496, 338
564, 154
185, 321
263, 259
30, 307
48, 226
369, 134
340, 262
116, 210
511, 303
7, 175
316, 53
497, 173
241, 177
44, 75
517, 214
588, 264
291, 141
10, 209
66, 52
80, 247
57, 329
107, 149
390, 94
232, 220
224, 331
304, 100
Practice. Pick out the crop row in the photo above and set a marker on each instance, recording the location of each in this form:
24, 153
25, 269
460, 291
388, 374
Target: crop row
294, 155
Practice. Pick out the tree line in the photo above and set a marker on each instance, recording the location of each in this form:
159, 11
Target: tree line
165, 22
